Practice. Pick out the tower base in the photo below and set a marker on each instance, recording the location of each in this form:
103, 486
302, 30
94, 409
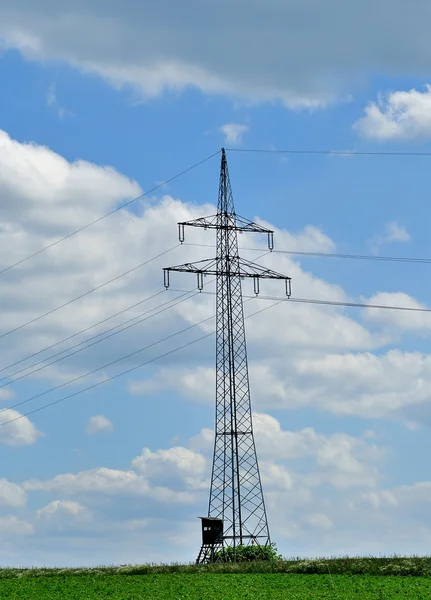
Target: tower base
206, 553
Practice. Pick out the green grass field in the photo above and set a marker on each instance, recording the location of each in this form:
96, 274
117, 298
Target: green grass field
338, 579
207, 586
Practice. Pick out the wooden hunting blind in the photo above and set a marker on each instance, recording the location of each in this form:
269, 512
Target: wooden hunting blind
212, 531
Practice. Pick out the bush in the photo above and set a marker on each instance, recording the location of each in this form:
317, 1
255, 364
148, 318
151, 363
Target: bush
247, 553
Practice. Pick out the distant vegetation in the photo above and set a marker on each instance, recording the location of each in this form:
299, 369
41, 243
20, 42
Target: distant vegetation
414, 566
247, 554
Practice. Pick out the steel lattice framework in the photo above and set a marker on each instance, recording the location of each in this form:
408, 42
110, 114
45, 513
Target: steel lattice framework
236, 494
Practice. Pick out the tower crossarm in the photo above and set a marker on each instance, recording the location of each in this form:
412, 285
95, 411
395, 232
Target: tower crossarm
230, 222
238, 267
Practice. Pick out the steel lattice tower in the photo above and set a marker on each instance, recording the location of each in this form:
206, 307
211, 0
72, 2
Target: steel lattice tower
236, 494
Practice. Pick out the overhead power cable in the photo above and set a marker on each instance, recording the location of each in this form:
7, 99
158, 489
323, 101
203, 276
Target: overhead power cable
406, 259
87, 293
108, 214
66, 339
326, 302
111, 332
120, 328
192, 292
99, 383
110, 364
327, 152
21, 360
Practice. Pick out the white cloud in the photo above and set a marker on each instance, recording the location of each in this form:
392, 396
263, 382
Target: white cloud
233, 132
12, 494
295, 57
6, 394
301, 473
396, 233
21, 432
98, 424
12, 526
310, 480
67, 507
398, 116
167, 466
341, 460
56, 194
45, 184
108, 482
393, 232
319, 521
398, 320
393, 385
65, 516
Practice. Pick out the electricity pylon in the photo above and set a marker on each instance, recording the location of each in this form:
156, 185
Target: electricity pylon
236, 495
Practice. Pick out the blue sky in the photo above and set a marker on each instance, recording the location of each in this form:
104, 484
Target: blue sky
342, 396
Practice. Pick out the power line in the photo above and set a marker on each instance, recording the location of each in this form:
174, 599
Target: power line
328, 152
327, 302
114, 362
138, 319
108, 214
406, 259
98, 287
278, 301
84, 331
21, 360
97, 384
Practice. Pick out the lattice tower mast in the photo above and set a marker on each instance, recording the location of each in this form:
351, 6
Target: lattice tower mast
236, 494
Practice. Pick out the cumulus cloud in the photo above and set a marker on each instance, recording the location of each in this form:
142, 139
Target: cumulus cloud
45, 196
176, 467
67, 507
10, 525
398, 320
397, 116
99, 424
64, 516
108, 482
19, 432
319, 521
233, 132
6, 394
283, 368
341, 460
330, 483
393, 385
309, 479
295, 57
393, 232
12, 494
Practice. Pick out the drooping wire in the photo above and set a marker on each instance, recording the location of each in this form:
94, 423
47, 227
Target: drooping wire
131, 369
66, 339
111, 331
326, 302
87, 293
328, 152
120, 327
406, 259
110, 364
